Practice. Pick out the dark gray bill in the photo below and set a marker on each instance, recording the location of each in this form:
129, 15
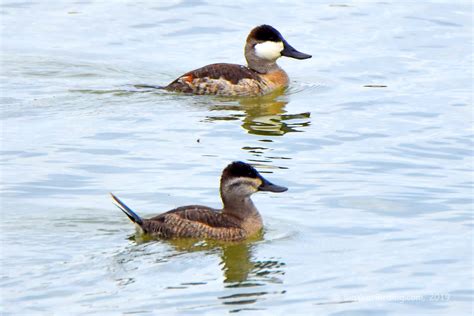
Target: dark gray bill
268, 186
289, 51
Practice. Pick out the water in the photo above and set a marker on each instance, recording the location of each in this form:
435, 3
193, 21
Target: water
373, 138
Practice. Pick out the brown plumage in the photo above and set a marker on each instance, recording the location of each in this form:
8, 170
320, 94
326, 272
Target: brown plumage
231, 72
194, 221
238, 220
219, 79
263, 47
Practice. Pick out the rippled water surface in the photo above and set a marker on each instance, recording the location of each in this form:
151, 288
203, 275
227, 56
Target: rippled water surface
373, 138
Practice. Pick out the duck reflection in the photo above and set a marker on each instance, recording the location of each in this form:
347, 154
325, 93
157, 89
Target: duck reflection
263, 115
238, 263
244, 276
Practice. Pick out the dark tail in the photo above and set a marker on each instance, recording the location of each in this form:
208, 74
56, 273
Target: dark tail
124, 208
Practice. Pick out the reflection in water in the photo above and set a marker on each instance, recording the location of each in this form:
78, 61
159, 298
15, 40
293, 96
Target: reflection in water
262, 160
244, 276
263, 116
238, 265
240, 269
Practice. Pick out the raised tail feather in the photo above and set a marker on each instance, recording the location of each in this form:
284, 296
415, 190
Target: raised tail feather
124, 208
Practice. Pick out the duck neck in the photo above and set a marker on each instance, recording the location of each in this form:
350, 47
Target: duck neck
263, 67
240, 207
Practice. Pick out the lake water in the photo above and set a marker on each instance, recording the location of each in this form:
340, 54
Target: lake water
373, 139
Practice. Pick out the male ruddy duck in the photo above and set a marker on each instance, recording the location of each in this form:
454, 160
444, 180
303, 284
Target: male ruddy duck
262, 75
238, 219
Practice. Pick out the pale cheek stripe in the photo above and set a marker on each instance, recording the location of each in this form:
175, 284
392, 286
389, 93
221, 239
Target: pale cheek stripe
241, 180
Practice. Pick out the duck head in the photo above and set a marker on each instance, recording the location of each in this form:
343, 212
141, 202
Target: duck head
240, 180
265, 45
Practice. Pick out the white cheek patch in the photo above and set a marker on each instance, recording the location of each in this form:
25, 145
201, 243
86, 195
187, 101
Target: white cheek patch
269, 50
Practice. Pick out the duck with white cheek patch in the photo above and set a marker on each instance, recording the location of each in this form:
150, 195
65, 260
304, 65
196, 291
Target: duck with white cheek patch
239, 219
261, 76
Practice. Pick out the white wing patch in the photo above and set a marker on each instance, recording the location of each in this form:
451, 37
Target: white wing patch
269, 50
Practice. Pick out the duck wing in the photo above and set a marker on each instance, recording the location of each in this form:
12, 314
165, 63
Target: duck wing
221, 78
194, 221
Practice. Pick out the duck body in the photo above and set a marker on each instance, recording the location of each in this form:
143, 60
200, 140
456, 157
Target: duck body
238, 220
261, 76
197, 221
229, 80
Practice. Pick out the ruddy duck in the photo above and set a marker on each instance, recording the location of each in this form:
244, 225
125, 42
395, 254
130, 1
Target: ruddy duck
238, 219
262, 75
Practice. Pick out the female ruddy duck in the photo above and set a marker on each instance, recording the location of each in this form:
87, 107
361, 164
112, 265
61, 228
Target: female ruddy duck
238, 220
262, 75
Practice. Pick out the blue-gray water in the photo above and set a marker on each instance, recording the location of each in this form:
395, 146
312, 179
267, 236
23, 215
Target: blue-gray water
378, 218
